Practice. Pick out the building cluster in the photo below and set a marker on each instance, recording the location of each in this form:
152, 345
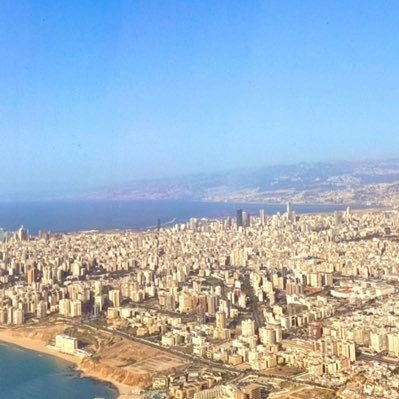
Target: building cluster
314, 292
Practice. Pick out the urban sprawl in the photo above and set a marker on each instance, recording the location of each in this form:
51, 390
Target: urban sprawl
274, 306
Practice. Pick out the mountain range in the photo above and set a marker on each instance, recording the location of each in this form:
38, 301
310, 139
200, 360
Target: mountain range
372, 183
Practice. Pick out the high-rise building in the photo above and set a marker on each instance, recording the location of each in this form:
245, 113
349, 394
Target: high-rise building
193, 222
66, 344
65, 307
393, 344
290, 213
22, 234
98, 288
240, 220
262, 217
247, 219
18, 316
267, 335
220, 320
211, 304
41, 310
252, 391
115, 298
3, 316
31, 276
185, 302
247, 328
170, 302
76, 308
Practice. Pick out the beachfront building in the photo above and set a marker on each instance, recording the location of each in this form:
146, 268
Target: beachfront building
66, 344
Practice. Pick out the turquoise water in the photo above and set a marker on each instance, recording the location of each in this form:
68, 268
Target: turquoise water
29, 375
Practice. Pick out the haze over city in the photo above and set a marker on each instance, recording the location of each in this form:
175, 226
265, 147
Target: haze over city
199, 199
94, 94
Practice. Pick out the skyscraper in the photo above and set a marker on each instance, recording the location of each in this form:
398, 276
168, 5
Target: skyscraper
240, 219
22, 234
290, 213
247, 220
262, 217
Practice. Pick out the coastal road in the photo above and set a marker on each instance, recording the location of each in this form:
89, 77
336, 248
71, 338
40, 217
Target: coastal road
201, 361
192, 358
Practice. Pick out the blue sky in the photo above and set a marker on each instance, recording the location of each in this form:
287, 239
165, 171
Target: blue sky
99, 92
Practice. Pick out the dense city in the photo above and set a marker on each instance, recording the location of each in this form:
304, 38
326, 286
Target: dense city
255, 306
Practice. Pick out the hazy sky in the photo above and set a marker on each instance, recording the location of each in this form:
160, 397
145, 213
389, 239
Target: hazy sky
94, 92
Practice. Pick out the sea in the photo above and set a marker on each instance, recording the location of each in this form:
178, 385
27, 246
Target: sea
28, 375
71, 216
25, 374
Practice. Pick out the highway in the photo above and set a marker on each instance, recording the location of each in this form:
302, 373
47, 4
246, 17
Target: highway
205, 362
378, 358
191, 358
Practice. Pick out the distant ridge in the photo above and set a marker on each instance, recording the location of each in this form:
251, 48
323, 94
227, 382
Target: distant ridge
335, 182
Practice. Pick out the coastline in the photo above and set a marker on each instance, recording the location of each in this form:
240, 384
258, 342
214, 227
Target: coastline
7, 337
137, 216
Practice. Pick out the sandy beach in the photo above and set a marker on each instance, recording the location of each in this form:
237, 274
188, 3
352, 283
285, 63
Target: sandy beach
8, 336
